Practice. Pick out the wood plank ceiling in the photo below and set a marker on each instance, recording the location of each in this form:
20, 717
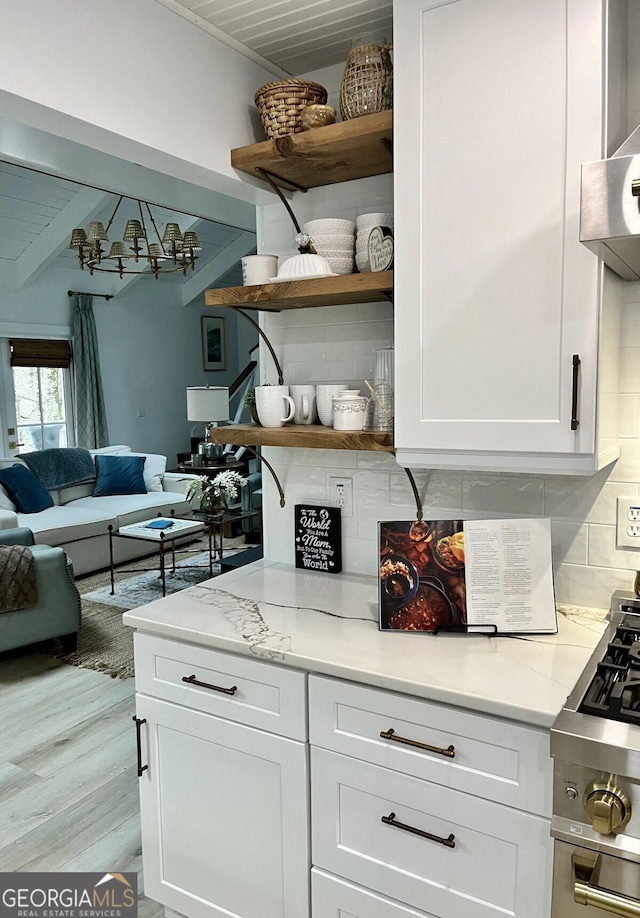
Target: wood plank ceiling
297, 36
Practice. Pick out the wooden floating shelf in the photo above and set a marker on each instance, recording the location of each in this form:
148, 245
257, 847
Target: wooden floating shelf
371, 287
325, 155
302, 436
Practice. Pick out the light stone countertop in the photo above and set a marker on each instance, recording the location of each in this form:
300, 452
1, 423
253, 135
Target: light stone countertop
329, 624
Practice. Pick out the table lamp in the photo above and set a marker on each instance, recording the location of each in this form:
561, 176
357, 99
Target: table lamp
208, 405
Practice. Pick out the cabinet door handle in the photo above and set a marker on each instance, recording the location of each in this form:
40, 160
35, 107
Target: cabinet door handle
390, 820
574, 392
139, 721
391, 735
214, 688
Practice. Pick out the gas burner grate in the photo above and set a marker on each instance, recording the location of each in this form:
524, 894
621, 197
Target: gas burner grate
614, 691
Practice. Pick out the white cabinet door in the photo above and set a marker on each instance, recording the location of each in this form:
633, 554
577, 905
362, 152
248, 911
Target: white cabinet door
224, 816
497, 104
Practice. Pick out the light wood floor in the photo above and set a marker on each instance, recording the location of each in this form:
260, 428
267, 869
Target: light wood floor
68, 781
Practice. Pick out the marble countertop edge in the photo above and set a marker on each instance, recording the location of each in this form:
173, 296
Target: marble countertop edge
328, 626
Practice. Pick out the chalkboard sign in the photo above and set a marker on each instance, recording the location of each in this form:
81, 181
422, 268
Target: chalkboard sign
318, 538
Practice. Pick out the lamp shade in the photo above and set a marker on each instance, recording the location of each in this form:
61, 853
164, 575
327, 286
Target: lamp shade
207, 403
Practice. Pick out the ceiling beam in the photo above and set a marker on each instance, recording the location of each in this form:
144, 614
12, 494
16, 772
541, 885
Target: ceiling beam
55, 237
217, 267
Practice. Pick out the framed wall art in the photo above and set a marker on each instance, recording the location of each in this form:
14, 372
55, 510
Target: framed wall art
214, 344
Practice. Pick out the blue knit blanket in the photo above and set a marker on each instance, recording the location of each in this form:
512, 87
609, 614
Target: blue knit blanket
61, 467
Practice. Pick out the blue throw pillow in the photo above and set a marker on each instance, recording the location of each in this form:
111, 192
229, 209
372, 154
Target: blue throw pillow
28, 494
119, 475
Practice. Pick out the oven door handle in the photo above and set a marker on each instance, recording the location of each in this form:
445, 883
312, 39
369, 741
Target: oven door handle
585, 872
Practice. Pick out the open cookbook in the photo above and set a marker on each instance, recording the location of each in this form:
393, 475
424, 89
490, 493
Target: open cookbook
481, 576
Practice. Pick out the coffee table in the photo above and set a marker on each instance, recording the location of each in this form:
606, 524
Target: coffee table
163, 538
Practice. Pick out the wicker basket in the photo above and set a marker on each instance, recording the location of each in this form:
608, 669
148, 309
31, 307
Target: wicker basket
281, 104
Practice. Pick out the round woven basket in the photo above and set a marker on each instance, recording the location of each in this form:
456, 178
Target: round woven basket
282, 102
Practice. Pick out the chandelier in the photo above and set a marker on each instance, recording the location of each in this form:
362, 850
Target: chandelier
174, 251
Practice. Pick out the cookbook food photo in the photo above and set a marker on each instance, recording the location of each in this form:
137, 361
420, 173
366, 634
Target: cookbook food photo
478, 576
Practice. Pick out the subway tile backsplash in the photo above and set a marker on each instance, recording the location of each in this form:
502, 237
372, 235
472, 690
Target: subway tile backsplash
337, 344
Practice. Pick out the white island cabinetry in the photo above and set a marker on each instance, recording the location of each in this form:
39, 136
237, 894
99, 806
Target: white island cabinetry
505, 322
225, 797
270, 800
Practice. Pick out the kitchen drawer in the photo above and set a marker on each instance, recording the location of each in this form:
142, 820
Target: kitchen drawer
499, 862
495, 759
332, 897
268, 697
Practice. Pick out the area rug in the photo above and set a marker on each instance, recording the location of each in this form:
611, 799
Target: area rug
105, 644
142, 588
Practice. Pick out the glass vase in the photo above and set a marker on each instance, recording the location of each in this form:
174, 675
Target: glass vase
367, 81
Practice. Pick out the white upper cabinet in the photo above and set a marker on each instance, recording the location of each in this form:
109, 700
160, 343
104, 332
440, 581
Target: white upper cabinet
497, 103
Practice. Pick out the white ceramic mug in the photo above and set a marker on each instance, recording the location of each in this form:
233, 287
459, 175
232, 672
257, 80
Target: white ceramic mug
258, 269
325, 393
349, 412
274, 405
304, 399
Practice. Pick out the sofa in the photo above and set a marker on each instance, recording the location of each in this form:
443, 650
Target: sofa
78, 521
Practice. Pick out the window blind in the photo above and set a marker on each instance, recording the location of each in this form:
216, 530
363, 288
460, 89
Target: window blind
40, 352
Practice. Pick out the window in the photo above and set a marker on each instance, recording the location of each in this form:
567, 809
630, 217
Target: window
42, 393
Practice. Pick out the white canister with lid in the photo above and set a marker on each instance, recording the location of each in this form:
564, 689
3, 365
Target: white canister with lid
349, 410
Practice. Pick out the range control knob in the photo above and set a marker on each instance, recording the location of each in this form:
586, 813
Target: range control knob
607, 806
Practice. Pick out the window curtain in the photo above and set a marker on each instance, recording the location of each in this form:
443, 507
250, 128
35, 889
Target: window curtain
91, 417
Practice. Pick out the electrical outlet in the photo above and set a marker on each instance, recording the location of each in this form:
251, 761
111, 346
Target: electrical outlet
341, 490
628, 523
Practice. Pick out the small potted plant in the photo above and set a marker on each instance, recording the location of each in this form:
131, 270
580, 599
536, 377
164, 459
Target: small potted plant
250, 403
214, 494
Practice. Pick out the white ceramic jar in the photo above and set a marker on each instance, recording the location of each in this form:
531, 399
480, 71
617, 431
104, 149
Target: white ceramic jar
349, 410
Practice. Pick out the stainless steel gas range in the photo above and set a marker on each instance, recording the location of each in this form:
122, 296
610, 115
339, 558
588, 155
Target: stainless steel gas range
595, 743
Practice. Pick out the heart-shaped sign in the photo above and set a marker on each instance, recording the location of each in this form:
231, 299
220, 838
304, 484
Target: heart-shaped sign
380, 248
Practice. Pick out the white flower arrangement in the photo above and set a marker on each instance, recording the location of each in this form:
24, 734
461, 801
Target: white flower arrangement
216, 492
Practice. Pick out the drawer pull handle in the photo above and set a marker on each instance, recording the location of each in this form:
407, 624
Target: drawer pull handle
139, 721
215, 688
391, 735
390, 820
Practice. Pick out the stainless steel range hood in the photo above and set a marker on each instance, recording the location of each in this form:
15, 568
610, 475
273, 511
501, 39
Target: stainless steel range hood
610, 208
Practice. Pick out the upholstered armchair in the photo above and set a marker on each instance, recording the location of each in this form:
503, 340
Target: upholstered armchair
57, 610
